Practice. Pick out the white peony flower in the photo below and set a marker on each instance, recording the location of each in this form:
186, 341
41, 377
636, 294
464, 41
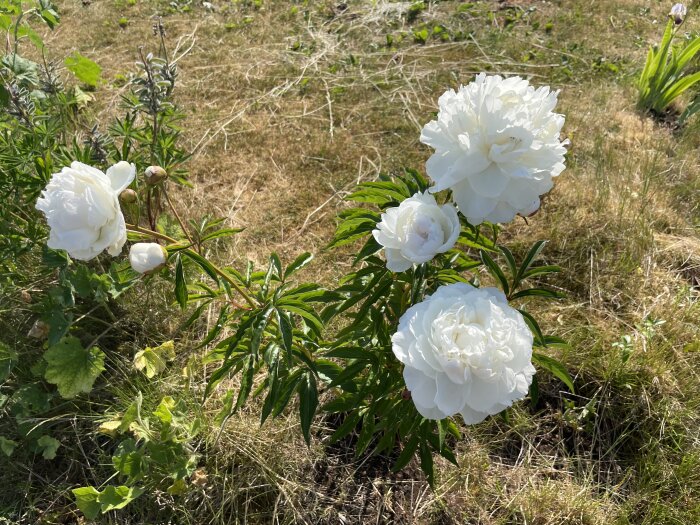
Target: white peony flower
147, 256
81, 205
465, 351
416, 230
496, 146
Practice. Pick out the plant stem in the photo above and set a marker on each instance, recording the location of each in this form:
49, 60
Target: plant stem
138, 229
233, 283
179, 220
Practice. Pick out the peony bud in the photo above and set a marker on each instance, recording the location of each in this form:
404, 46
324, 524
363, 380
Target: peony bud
40, 331
678, 13
147, 257
155, 175
128, 196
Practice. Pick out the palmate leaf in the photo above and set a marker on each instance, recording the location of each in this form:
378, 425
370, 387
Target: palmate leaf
84, 69
72, 368
48, 446
152, 361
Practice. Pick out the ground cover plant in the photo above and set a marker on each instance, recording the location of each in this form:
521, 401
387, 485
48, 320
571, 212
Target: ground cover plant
208, 369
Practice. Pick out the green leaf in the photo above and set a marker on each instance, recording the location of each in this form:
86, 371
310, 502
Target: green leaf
25, 71
224, 232
72, 368
537, 292
426, 463
556, 368
84, 69
48, 446
246, 382
532, 254
203, 263
298, 263
348, 425
286, 329
86, 501
406, 454
308, 402
154, 360
7, 446
114, 498
495, 271
180, 284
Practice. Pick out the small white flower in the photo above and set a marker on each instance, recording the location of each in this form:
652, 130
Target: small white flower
81, 205
678, 13
416, 230
147, 256
496, 146
466, 351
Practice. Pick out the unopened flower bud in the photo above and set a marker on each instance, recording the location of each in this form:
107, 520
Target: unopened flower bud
155, 175
678, 13
128, 196
25, 296
40, 331
147, 257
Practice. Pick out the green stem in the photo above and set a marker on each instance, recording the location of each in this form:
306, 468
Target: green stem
177, 216
138, 229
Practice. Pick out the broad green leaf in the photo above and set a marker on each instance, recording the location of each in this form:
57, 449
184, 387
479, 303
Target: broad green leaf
72, 368
86, 501
25, 71
113, 498
152, 361
48, 446
84, 69
7, 446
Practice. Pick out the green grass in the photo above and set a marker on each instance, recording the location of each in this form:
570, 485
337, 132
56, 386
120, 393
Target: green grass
288, 105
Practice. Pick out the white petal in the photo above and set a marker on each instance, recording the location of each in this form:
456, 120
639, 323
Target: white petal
121, 175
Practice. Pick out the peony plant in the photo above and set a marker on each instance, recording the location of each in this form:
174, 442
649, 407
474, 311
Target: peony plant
409, 339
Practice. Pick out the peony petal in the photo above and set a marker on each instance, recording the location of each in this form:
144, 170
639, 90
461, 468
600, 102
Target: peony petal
449, 396
121, 175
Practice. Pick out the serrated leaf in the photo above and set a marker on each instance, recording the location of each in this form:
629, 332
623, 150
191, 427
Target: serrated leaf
72, 368
114, 498
86, 501
152, 361
84, 69
7, 446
